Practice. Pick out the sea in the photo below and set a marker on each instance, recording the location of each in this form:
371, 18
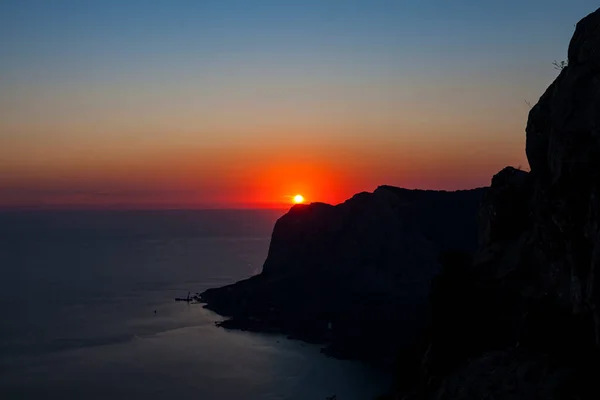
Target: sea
87, 311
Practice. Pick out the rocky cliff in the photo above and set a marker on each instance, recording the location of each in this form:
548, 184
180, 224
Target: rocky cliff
521, 319
357, 275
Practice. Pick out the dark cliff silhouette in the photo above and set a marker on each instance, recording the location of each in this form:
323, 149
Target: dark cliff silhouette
521, 319
357, 275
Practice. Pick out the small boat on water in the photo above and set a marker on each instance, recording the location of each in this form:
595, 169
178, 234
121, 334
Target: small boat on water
187, 299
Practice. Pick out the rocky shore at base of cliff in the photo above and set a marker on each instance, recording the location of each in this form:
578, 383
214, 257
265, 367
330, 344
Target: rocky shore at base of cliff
355, 276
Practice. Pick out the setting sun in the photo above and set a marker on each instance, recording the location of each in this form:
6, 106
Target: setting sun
298, 199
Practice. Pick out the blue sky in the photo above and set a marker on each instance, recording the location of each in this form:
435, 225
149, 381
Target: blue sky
38, 36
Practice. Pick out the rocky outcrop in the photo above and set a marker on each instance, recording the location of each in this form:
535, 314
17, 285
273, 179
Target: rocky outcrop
356, 275
505, 209
522, 318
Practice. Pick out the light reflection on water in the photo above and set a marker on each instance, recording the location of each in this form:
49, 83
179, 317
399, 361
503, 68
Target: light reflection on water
78, 297
202, 361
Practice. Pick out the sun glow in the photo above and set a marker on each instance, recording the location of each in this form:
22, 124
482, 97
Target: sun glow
298, 199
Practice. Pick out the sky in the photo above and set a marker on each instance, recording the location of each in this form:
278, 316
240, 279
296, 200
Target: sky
235, 104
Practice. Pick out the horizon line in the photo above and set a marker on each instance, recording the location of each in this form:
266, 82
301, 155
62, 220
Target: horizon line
118, 208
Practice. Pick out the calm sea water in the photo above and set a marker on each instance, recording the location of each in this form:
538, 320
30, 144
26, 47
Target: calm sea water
87, 311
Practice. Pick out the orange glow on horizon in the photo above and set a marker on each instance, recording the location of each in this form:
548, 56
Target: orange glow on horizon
269, 175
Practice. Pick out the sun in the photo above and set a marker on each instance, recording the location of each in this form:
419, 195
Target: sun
298, 199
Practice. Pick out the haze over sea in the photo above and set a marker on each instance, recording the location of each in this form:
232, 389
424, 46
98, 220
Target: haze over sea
78, 296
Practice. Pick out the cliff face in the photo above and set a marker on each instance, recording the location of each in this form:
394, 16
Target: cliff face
522, 319
563, 147
362, 268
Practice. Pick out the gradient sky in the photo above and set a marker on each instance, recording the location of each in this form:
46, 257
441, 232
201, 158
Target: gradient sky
244, 103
